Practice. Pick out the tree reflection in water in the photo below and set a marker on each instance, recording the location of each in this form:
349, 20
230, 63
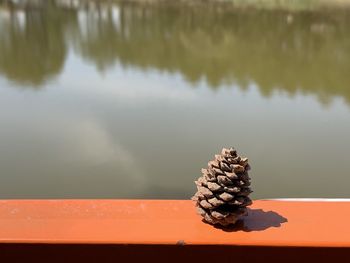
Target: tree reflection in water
304, 51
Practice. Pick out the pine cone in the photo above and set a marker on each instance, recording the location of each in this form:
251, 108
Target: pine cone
223, 190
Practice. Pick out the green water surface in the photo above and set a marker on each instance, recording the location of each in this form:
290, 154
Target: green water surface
130, 100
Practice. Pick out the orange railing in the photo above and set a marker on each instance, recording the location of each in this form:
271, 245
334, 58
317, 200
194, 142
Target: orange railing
170, 231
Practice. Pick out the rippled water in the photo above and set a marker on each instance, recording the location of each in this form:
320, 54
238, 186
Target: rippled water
118, 100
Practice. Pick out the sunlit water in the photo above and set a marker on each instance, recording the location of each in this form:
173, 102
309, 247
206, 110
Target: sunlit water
131, 101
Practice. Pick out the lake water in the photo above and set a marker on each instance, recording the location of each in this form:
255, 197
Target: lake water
118, 100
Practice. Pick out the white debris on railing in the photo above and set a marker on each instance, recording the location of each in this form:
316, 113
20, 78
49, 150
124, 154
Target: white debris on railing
309, 199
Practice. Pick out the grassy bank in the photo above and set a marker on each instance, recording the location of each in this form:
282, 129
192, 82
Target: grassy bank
290, 5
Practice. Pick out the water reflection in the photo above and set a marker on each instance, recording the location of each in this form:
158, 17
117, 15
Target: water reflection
278, 50
134, 99
32, 43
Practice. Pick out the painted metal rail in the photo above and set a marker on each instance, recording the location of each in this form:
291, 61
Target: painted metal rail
170, 230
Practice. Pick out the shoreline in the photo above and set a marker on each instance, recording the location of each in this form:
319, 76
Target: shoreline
286, 5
